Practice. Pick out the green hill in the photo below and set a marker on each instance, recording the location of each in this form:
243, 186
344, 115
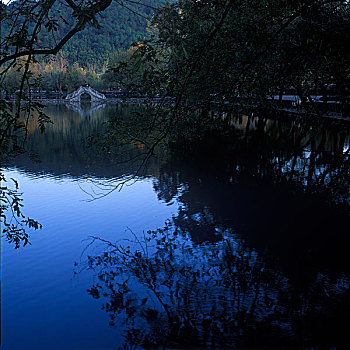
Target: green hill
92, 47
120, 29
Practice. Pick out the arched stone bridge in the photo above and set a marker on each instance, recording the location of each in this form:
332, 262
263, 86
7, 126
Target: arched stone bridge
76, 95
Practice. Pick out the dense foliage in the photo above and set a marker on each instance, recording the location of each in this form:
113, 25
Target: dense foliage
118, 27
246, 51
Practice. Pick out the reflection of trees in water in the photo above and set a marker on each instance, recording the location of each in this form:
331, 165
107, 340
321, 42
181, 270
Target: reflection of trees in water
242, 183
193, 284
274, 183
267, 157
313, 154
171, 292
69, 145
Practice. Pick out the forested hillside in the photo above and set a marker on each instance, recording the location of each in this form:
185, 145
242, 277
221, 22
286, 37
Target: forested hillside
118, 27
121, 28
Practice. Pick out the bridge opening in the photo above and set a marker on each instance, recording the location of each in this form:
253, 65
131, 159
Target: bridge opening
85, 97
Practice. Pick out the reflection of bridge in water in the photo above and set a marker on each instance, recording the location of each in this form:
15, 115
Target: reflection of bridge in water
77, 107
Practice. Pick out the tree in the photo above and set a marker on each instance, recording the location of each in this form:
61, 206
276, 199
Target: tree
30, 30
246, 51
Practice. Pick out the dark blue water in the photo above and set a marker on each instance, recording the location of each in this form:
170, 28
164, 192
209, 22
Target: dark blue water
44, 305
278, 214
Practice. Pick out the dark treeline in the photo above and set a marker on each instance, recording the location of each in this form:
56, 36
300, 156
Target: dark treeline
243, 52
240, 53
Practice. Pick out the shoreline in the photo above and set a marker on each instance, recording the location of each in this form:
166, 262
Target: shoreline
285, 111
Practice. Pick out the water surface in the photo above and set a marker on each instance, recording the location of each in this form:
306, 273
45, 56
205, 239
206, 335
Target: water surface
251, 239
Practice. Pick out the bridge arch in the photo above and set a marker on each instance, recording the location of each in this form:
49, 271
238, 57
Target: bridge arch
76, 95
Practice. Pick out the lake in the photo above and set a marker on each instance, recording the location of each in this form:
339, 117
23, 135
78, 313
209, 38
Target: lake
236, 241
